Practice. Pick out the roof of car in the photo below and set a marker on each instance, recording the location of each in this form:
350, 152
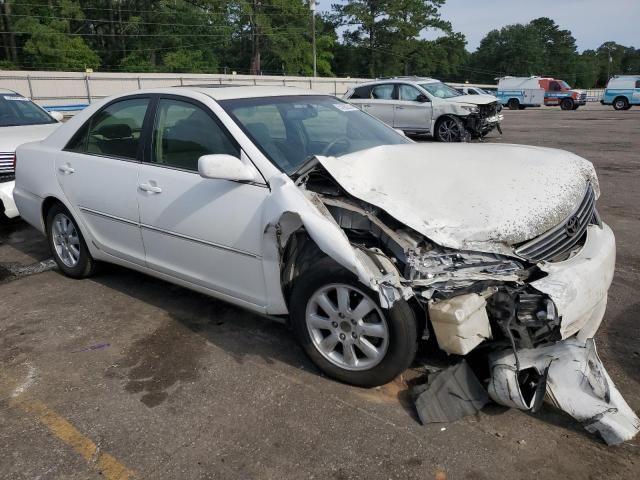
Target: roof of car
6, 90
398, 79
226, 92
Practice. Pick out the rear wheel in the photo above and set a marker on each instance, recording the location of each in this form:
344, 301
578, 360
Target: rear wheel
450, 129
513, 104
621, 103
67, 245
567, 104
344, 330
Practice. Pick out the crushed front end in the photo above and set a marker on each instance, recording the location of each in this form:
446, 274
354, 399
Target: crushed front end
484, 119
543, 302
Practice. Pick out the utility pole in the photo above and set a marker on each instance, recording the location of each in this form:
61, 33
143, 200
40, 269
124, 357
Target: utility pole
312, 6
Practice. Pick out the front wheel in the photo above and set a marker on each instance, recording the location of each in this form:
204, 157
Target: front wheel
450, 129
67, 245
513, 104
567, 104
344, 330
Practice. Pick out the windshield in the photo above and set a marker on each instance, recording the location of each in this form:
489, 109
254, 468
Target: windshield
16, 110
565, 84
440, 90
291, 129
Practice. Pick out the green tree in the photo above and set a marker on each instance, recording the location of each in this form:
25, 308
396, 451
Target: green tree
388, 28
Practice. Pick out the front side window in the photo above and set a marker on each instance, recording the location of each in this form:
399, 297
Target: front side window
16, 110
382, 92
114, 131
637, 83
440, 90
184, 132
306, 126
409, 93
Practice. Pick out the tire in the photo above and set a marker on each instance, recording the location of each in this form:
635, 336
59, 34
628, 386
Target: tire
67, 244
621, 103
628, 107
395, 331
521, 107
450, 129
513, 104
575, 107
567, 104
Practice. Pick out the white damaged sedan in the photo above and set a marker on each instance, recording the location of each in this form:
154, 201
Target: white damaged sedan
287, 202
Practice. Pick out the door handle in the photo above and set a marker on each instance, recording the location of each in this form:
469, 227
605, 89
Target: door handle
398, 107
66, 169
146, 187
366, 105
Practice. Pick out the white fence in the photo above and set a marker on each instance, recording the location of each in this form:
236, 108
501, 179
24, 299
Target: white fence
68, 91
60, 89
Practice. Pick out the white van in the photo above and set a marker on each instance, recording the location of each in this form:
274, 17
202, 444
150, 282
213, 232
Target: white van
520, 92
622, 92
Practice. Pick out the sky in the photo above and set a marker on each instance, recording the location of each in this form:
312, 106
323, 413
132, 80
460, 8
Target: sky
592, 22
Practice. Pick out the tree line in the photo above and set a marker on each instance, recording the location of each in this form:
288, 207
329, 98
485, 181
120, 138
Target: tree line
357, 38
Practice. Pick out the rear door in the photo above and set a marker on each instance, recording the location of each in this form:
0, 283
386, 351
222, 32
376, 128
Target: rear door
411, 114
205, 231
382, 102
98, 172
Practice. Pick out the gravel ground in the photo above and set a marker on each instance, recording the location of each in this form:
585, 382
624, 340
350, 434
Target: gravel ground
124, 375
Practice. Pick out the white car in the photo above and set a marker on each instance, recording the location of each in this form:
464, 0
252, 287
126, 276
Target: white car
288, 202
21, 121
419, 106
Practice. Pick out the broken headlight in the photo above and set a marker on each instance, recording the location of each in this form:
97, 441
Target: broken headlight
470, 108
458, 269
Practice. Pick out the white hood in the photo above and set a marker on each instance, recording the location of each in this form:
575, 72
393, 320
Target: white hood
483, 197
473, 99
12, 137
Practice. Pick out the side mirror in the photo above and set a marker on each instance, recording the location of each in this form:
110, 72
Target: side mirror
225, 167
57, 116
422, 98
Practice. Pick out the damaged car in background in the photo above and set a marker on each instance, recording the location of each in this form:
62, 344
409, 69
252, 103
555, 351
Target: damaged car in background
425, 106
299, 205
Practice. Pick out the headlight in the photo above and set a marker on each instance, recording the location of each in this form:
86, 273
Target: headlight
470, 109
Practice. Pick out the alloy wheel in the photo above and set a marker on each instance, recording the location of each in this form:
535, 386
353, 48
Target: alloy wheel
65, 240
449, 130
347, 327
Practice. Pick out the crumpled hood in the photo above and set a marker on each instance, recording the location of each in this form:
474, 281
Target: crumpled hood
12, 137
482, 197
473, 99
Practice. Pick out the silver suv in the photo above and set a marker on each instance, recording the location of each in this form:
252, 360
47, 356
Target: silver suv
418, 105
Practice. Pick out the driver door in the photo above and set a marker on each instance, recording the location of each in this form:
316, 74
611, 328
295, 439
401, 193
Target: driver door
204, 231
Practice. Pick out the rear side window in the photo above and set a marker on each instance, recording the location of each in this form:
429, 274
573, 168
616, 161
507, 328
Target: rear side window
362, 92
382, 92
114, 131
184, 132
637, 83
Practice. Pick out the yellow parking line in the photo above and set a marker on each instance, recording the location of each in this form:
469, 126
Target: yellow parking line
108, 465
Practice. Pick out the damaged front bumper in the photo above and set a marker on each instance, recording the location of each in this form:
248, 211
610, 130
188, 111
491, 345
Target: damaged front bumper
578, 286
572, 375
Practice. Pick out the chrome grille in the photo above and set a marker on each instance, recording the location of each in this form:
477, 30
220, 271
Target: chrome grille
6, 166
558, 242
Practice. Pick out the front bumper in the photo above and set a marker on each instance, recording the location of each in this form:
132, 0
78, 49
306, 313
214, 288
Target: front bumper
6, 197
579, 285
573, 376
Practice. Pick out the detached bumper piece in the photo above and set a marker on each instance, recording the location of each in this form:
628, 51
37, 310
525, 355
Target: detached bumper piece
450, 395
573, 376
